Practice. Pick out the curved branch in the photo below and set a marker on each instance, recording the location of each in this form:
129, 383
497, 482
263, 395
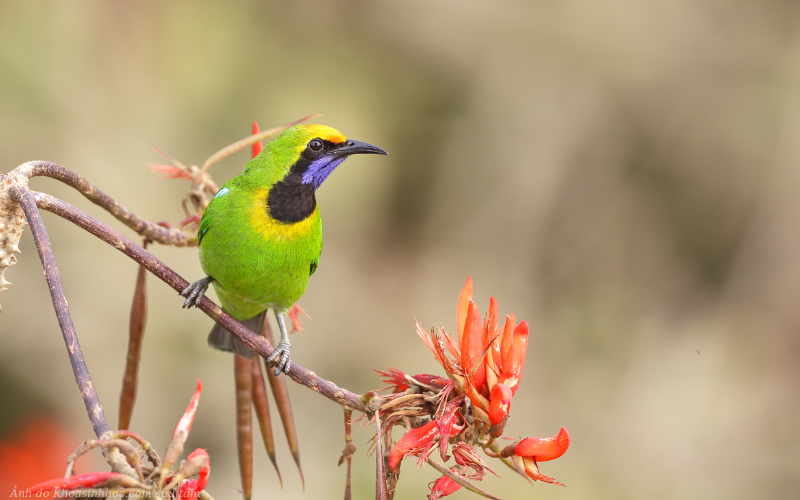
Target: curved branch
147, 229
256, 342
21, 194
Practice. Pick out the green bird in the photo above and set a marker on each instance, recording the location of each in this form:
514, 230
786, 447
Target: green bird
260, 237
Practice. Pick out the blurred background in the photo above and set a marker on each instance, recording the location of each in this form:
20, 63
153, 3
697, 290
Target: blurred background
622, 175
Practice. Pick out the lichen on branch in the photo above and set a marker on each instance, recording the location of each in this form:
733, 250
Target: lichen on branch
12, 220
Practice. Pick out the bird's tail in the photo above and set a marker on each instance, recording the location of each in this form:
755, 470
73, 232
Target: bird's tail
223, 340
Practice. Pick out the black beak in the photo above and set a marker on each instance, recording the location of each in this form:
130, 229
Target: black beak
358, 147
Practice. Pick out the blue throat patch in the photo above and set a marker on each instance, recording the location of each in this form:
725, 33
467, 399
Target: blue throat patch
320, 169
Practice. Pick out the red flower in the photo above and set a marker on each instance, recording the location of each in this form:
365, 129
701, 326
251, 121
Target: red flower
528, 452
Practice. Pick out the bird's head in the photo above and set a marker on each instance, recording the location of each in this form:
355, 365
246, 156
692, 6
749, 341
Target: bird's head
312, 152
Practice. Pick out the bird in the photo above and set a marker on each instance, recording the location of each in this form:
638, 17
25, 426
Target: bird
260, 237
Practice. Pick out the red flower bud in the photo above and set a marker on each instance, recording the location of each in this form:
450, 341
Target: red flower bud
499, 402
544, 449
202, 476
185, 423
442, 487
256, 147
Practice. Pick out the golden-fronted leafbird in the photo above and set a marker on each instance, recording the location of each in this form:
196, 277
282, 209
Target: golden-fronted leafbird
260, 237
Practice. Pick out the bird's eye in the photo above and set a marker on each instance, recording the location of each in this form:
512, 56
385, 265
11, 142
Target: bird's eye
315, 145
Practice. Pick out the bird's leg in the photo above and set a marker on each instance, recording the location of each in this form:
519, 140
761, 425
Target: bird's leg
195, 291
283, 349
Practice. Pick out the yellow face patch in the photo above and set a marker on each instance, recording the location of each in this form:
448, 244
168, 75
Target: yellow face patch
271, 229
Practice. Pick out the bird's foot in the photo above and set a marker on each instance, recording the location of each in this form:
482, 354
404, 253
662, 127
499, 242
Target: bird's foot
281, 358
195, 291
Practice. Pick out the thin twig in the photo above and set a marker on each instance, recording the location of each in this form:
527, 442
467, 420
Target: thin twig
147, 229
256, 342
380, 476
252, 139
94, 409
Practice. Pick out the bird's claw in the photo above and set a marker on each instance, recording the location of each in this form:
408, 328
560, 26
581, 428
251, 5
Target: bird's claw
194, 292
282, 364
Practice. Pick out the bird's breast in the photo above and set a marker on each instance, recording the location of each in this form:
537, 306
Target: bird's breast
274, 230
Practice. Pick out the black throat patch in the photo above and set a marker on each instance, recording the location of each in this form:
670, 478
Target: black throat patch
290, 200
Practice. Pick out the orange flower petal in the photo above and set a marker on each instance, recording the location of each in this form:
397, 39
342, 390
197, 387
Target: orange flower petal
463, 304
472, 348
508, 337
490, 333
514, 362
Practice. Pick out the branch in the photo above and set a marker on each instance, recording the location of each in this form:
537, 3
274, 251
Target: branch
21, 194
256, 342
147, 229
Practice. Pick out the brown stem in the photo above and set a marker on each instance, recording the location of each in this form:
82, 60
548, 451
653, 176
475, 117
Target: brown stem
381, 492
256, 342
281, 393
23, 196
243, 375
138, 319
347, 453
261, 406
147, 229
152, 455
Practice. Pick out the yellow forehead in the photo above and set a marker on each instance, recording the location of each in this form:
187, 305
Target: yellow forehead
323, 132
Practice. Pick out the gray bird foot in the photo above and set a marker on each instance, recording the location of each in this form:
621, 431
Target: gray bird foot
284, 362
195, 291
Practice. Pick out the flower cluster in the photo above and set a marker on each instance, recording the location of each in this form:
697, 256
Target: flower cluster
159, 478
486, 362
484, 365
